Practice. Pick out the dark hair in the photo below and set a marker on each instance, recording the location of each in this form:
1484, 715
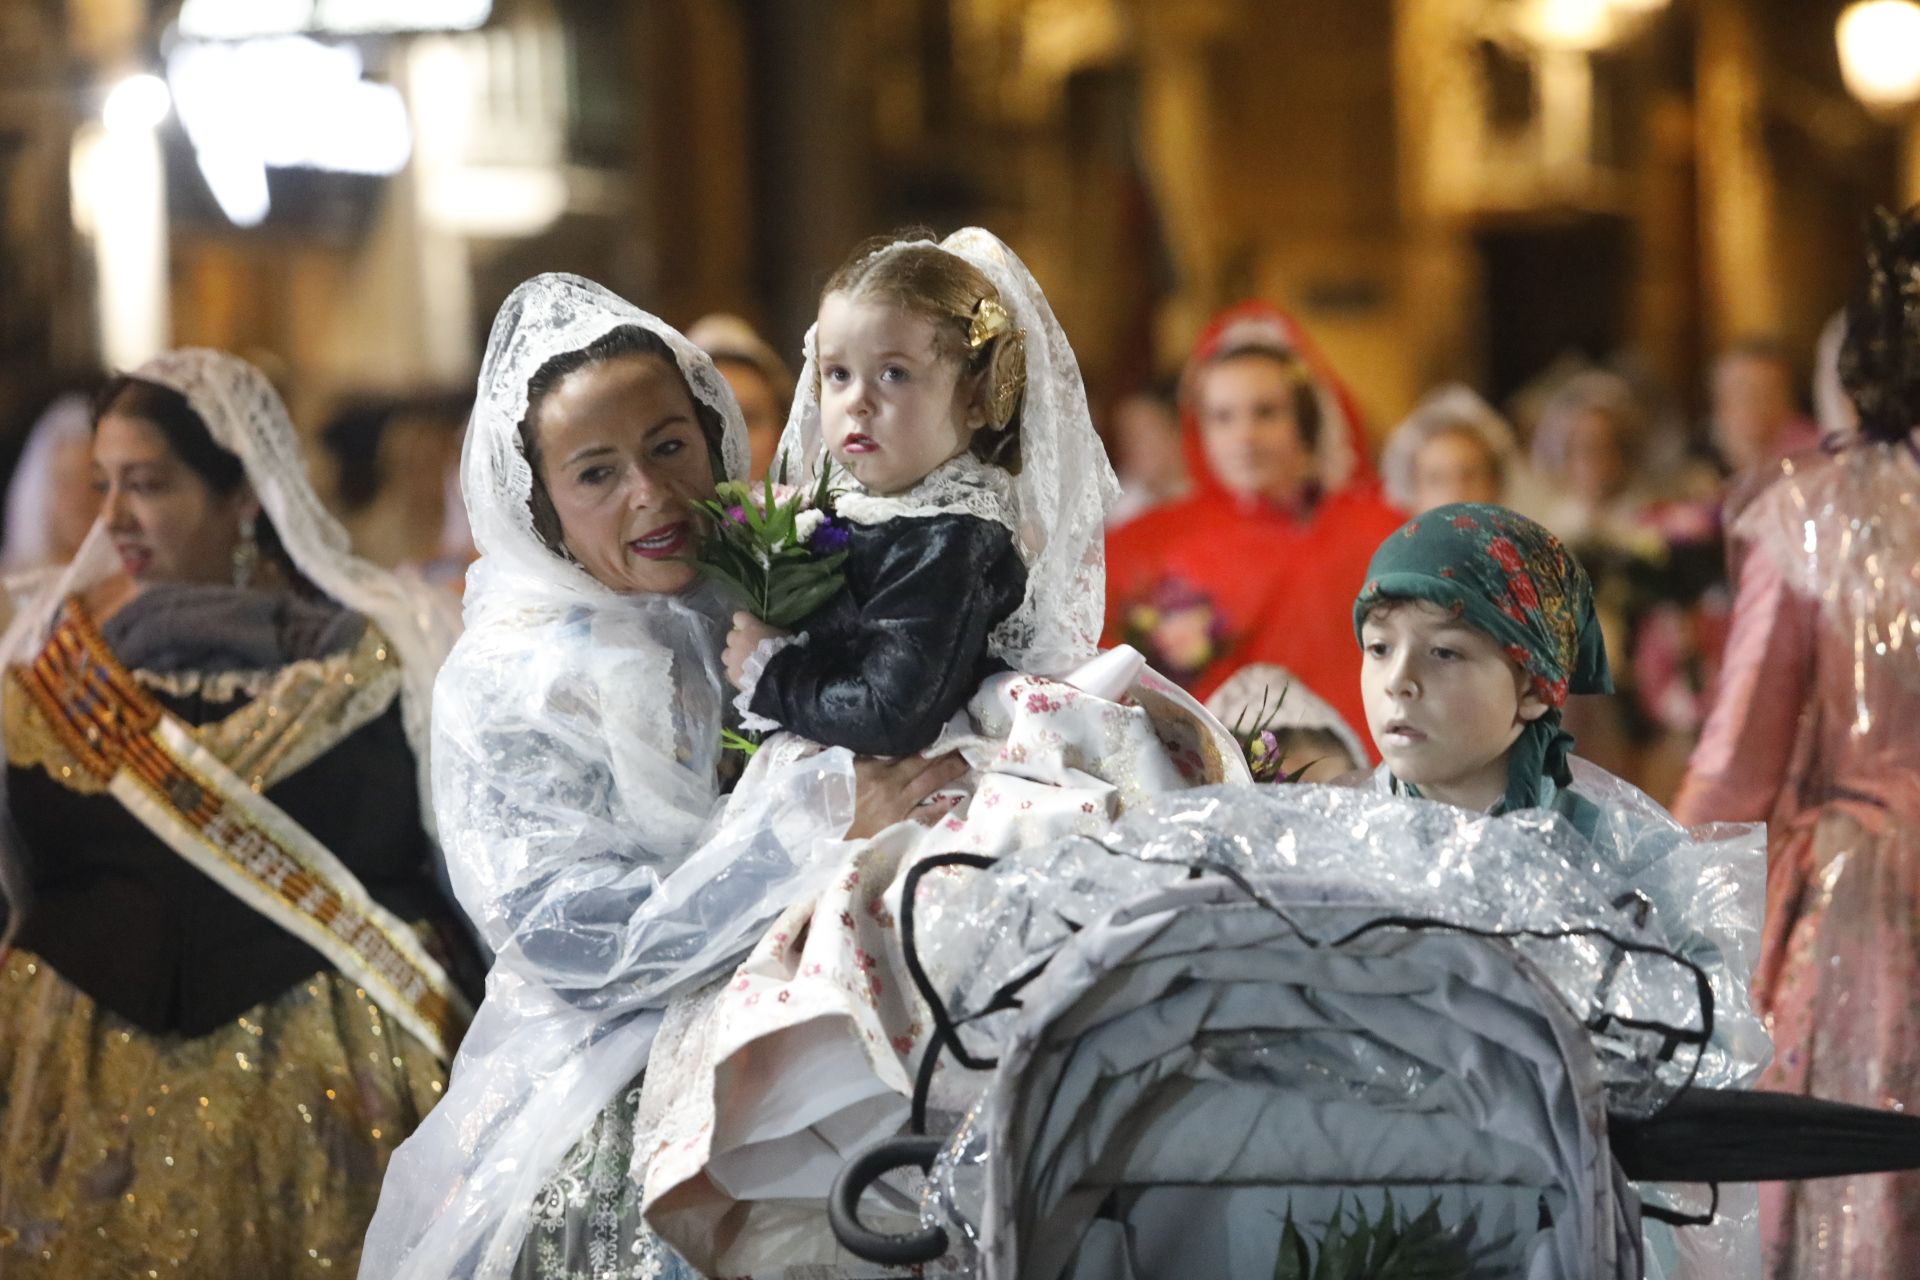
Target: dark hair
176, 419
1880, 359
354, 434
1301, 388
627, 340
186, 433
925, 279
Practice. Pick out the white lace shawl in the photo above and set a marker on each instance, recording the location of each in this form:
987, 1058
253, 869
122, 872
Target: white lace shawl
246, 417
1063, 492
575, 737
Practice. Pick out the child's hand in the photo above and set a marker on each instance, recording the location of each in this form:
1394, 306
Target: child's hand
748, 631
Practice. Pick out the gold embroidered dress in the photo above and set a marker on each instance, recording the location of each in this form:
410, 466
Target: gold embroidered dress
222, 993
185, 1087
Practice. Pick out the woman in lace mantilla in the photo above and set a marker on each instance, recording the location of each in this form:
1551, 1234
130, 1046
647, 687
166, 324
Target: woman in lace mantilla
229, 996
577, 781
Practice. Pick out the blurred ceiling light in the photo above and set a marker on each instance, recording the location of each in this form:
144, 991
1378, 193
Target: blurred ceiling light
243, 19
1581, 25
1638, 7
496, 201
136, 103
283, 103
1880, 52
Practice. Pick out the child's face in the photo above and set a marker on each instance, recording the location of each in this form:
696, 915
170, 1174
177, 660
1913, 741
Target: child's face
1443, 703
1248, 432
1453, 466
892, 408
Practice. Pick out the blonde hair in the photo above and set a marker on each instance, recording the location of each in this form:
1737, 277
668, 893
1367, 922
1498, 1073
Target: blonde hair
970, 324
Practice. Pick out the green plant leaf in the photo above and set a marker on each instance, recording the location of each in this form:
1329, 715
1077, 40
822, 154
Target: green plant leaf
1294, 1263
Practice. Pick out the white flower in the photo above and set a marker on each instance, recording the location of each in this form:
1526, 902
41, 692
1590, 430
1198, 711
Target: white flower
807, 523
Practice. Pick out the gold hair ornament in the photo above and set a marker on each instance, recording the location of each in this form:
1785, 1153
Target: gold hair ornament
990, 320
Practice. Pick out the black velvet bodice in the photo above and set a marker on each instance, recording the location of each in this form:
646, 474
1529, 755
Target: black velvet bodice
890, 659
131, 923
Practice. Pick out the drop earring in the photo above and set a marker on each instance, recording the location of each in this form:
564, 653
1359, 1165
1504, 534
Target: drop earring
246, 554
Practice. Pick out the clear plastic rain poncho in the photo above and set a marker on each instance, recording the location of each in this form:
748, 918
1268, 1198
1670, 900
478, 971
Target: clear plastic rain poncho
575, 737
1692, 901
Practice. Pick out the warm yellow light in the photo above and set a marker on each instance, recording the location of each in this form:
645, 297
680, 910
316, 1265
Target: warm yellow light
1637, 7
1880, 52
1568, 24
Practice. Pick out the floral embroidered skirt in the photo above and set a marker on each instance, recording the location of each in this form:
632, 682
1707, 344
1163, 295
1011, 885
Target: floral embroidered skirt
586, 1219
1840, 983
256, 1150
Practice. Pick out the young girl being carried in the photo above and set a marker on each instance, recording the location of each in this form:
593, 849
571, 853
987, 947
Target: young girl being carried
938, 379
1475, 625
979, 487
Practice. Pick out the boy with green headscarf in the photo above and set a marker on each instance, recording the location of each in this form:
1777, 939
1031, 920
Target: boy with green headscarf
1476, 623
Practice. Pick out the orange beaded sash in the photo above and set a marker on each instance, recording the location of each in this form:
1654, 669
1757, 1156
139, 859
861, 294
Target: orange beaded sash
149, 761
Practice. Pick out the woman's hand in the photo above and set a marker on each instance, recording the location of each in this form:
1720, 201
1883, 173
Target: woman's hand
748, 631
890, 791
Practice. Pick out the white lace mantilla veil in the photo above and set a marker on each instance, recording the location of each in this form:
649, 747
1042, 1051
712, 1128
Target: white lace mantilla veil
1065, 487
575, 735
246, 417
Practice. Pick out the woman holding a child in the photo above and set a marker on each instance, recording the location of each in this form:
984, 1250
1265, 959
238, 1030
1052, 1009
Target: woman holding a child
579, 771
578, 775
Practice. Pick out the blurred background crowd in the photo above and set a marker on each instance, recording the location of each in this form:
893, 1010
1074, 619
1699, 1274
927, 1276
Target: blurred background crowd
1578, 256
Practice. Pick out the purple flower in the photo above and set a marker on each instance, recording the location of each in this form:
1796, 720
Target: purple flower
831, 538
736, 515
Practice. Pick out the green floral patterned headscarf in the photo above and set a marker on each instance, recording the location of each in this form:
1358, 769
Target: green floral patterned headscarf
1511, 579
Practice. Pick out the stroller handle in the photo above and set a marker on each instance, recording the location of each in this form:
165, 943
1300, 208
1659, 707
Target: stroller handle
861, 1172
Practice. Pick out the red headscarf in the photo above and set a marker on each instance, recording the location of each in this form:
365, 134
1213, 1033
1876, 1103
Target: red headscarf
1210, 583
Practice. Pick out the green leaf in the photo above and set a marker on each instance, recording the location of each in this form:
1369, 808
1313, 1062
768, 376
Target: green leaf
1293, 1262
727, 580
1301, 772
747, 744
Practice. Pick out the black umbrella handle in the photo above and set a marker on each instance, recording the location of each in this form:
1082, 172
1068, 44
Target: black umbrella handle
861, 1172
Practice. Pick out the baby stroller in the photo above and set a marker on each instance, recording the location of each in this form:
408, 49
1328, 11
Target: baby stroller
1278, 1063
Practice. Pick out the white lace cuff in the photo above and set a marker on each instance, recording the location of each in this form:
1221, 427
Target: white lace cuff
750, 674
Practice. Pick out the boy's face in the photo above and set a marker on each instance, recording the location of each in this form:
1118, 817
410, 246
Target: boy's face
1443, 703
892, 408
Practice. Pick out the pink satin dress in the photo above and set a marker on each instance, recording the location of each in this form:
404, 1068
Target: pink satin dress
1816, 730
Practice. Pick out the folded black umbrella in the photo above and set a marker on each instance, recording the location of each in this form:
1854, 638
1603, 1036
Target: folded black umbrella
1714, 1135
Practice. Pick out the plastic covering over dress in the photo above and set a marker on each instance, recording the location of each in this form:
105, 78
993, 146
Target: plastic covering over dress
1345, 857
810, 1047
576, 734
1814, 732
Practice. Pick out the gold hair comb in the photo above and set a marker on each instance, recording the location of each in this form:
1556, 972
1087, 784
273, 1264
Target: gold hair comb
990, 320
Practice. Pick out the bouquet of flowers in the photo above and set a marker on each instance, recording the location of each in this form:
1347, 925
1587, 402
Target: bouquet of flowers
778, 548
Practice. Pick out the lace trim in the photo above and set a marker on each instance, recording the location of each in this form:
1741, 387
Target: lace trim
960, 486
750, 674
218, 686
298, 714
